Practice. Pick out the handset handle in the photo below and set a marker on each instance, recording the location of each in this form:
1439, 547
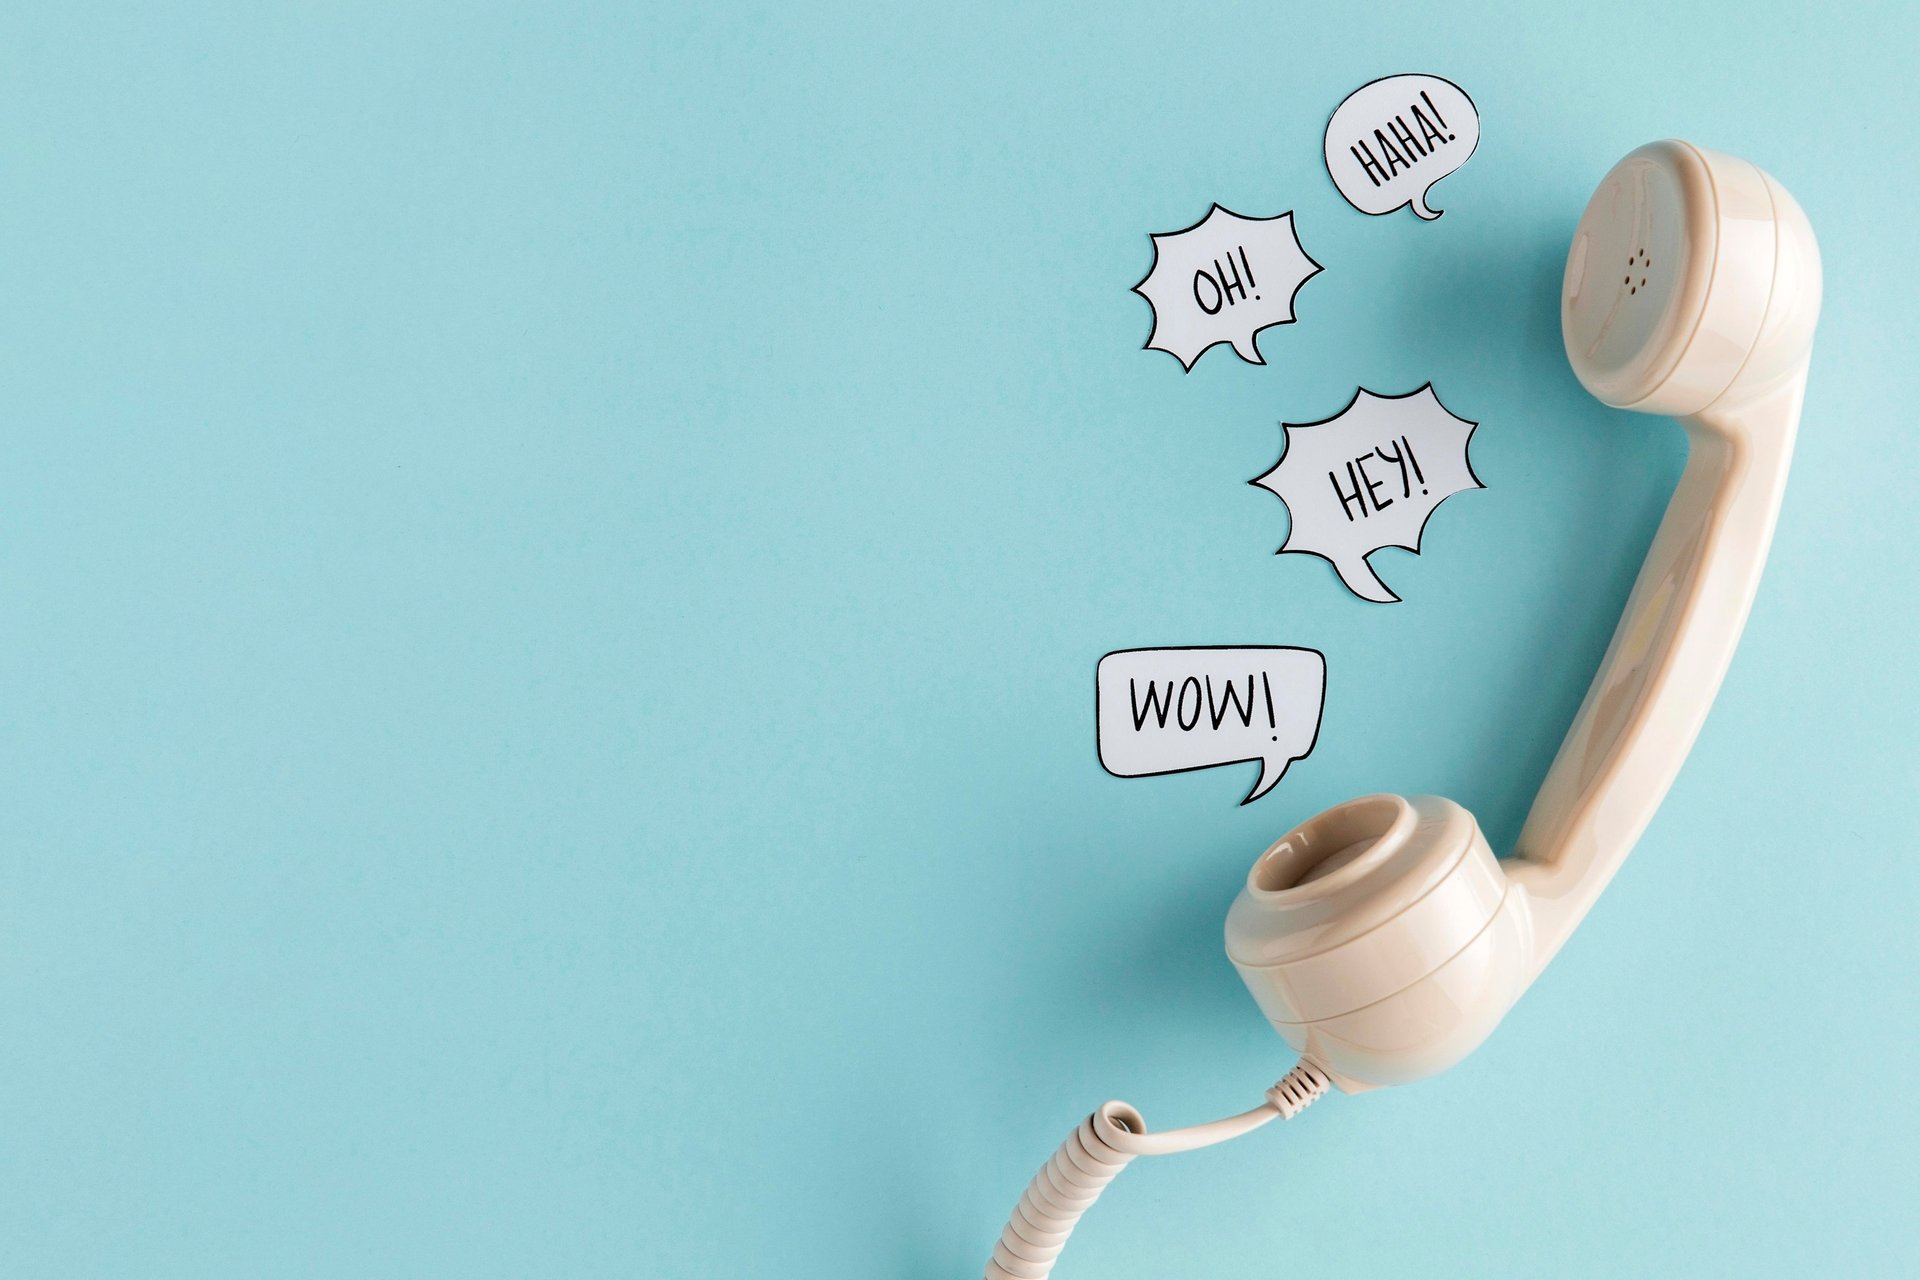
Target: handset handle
1664, 664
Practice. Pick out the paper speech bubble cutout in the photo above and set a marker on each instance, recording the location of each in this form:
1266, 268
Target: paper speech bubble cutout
1223, 279
1175, 710
1369, 477
1394, 138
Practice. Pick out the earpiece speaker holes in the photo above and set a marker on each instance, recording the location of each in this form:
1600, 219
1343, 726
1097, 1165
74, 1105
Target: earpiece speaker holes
1638, 258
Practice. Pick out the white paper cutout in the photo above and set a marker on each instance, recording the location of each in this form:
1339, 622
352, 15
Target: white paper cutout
1175, 710
1223, 279
1393, 139
1369, 477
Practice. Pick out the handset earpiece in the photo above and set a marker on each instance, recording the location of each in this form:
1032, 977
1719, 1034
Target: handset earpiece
1382, 938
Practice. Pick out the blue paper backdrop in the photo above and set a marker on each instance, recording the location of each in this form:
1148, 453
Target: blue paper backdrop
553, 558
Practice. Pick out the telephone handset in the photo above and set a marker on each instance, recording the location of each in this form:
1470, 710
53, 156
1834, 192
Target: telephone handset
1382, 938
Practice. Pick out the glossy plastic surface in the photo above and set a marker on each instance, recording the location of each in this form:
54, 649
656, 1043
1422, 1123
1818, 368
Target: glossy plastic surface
1395, 965
1381, 938
1739, 370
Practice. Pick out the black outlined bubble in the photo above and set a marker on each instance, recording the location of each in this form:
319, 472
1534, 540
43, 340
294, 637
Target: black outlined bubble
1392, 139
1370, 476
1175, 710
1223, 279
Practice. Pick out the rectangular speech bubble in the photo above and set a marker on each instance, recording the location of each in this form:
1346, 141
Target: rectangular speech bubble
1175, 710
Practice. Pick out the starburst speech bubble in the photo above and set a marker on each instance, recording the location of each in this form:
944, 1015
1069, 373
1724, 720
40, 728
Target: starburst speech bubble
1223, 279
1369, 477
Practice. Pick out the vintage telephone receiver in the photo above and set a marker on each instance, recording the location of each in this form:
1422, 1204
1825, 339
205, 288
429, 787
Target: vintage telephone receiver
1382, 938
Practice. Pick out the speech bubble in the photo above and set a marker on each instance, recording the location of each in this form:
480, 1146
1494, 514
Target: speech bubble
1175, 710
1369, 477
1223, 279
1393, 139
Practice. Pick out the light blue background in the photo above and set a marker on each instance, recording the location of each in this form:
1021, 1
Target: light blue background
553, 558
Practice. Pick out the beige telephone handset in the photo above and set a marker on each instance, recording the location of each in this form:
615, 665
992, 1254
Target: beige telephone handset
1382, 938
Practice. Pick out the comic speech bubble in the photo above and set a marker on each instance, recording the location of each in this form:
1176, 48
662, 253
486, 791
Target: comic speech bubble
1368, 477
1175, 710
1393, 139
1223, 279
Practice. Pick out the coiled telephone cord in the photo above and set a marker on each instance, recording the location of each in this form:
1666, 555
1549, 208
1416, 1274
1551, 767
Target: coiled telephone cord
1094, 1154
